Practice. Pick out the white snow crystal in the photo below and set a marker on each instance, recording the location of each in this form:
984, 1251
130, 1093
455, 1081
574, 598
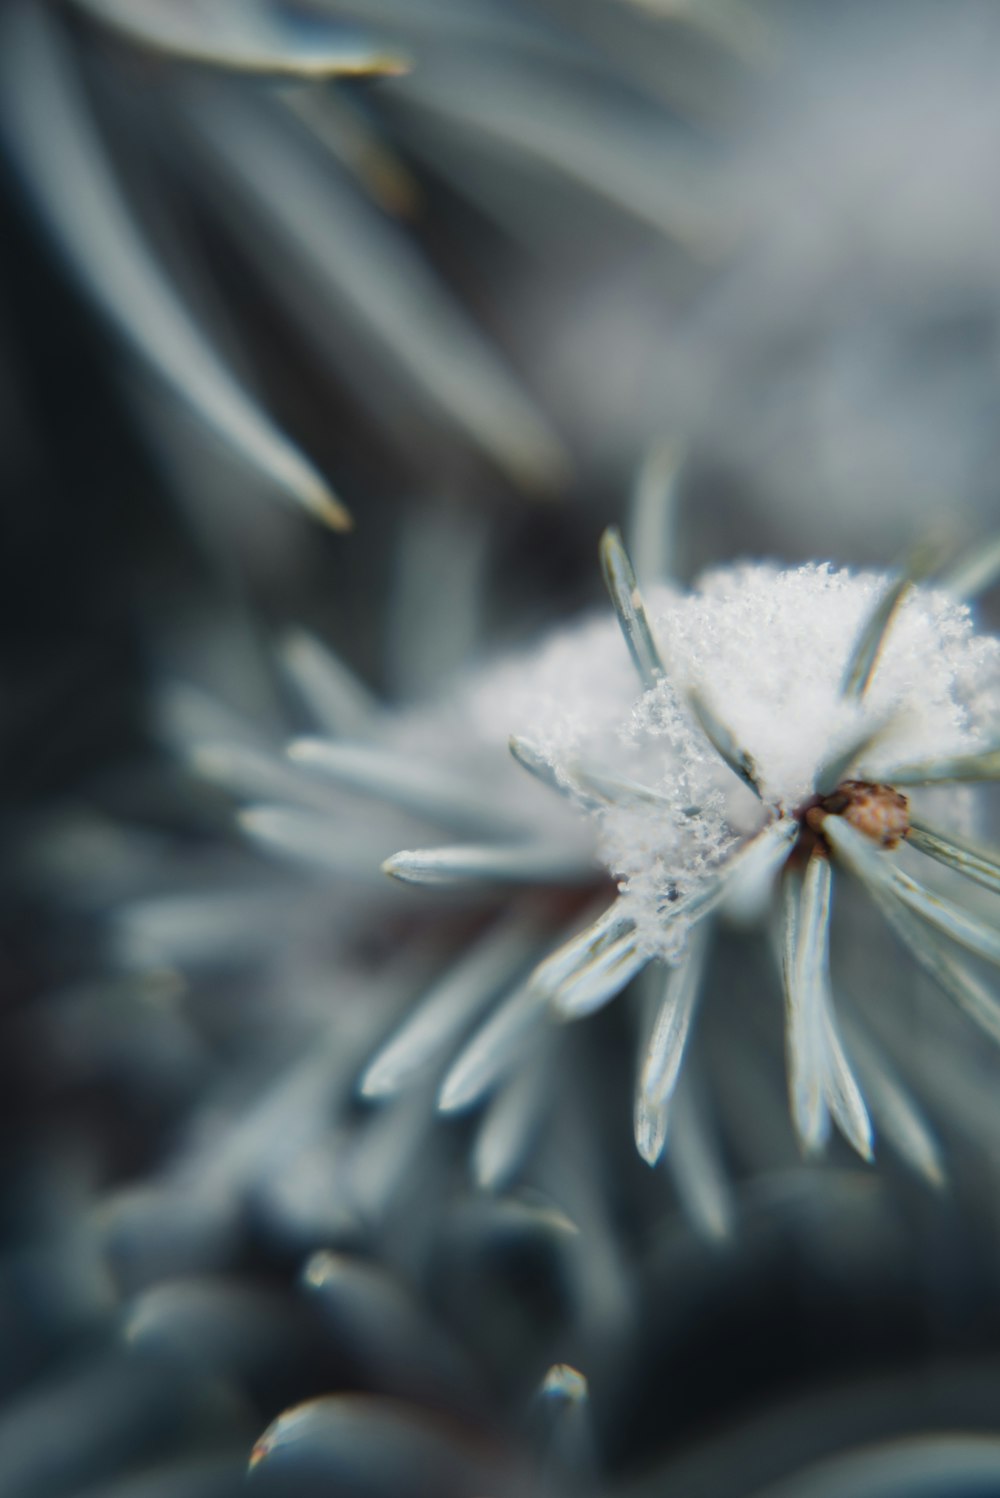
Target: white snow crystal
766, 649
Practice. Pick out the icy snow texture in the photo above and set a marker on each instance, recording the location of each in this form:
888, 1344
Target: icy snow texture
767, 649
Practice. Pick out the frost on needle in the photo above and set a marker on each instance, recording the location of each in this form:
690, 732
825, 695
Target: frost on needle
781, 726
